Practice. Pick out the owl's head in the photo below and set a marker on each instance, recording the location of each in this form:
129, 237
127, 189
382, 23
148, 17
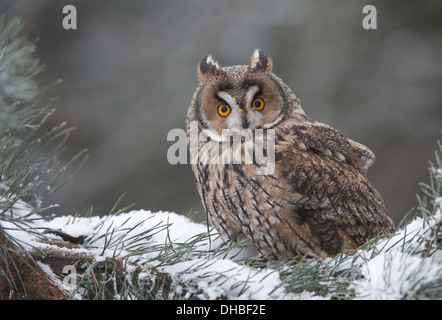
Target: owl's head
242, 97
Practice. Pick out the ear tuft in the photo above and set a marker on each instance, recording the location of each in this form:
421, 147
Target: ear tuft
207, 68
261, 61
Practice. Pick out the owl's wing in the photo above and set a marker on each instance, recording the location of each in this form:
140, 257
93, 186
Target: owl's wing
328, 140
327, 187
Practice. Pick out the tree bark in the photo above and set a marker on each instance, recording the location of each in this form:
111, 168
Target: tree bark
21, 277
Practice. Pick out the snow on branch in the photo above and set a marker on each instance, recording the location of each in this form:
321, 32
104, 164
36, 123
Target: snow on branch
163, 255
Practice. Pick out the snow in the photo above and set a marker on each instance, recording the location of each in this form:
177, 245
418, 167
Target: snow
394, 269
396, 275
399, 270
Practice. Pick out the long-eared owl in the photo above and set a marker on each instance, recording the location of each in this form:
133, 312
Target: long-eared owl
267, 173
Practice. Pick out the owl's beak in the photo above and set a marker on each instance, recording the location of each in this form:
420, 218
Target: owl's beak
245, 122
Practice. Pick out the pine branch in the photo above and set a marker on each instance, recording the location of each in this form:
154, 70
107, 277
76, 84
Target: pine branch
59, 254
28, 158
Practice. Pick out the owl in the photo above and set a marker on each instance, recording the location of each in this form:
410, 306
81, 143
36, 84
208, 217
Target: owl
315, 202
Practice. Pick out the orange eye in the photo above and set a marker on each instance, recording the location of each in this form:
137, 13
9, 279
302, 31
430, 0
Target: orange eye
258, 104
224, 110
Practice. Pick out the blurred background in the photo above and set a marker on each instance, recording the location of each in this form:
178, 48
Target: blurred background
129, 72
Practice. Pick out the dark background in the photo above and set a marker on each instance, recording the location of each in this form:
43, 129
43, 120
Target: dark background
129, 72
